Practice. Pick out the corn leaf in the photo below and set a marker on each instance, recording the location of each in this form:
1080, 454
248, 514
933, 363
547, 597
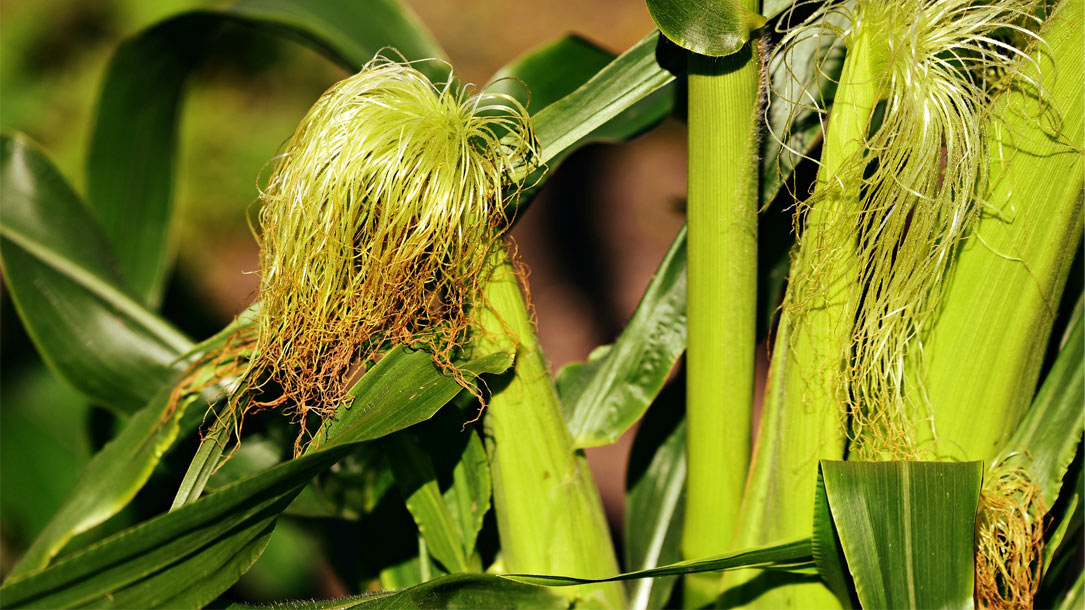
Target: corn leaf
828, 554
603, 397
91, 331
455, 591
94, 334
548, 73
655, 497
417, 482
189, 556
109, 481
88, 328
706, 27
792, 555
1075, 597
131, 156
906, 529
631, 77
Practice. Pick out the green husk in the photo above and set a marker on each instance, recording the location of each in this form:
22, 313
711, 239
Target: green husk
904, 158
985, 350
549, 515
904, 191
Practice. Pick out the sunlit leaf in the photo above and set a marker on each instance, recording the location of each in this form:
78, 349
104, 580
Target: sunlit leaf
906, 529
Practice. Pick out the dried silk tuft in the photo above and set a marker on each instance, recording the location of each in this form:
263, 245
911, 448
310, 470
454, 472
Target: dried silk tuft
1009, 538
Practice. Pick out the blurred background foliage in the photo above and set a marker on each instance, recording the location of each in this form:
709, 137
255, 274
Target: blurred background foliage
592, 240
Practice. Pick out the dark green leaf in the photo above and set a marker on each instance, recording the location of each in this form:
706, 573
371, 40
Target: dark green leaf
790, 555
353, 490
109, 481
1075, 597
906, 529
605, 396
189, 556
706, 27
467, 591
88, 328
44, 445
655, 497
417, 482
828, 554
131, 156
614, 90
468, 498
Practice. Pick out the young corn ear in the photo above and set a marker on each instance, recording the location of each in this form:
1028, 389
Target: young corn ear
909, 191
377, 222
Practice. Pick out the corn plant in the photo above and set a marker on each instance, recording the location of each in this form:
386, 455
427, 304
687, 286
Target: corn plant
918, 443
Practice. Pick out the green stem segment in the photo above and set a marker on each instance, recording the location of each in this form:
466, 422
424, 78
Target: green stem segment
722, 299
549, 514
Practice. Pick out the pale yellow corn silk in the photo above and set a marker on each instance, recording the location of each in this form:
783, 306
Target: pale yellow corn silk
911, 192
1009, 538
376, 225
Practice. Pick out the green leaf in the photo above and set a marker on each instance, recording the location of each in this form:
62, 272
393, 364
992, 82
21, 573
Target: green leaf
614, 90
1047, 438
465, 591
828, 554
608, 394
1075, 597
87, 327
468, 498
189, 556
205, 461
109, 481
130, 161
802, 80
548, 73
355, 488
44, 445
655, 497
789, 555
906, 529
707, 27
417, 482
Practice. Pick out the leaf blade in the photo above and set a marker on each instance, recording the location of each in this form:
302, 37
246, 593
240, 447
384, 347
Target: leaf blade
919, 556
90, 331
134, 140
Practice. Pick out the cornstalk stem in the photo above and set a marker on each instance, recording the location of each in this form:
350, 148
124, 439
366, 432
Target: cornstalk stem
722, 299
